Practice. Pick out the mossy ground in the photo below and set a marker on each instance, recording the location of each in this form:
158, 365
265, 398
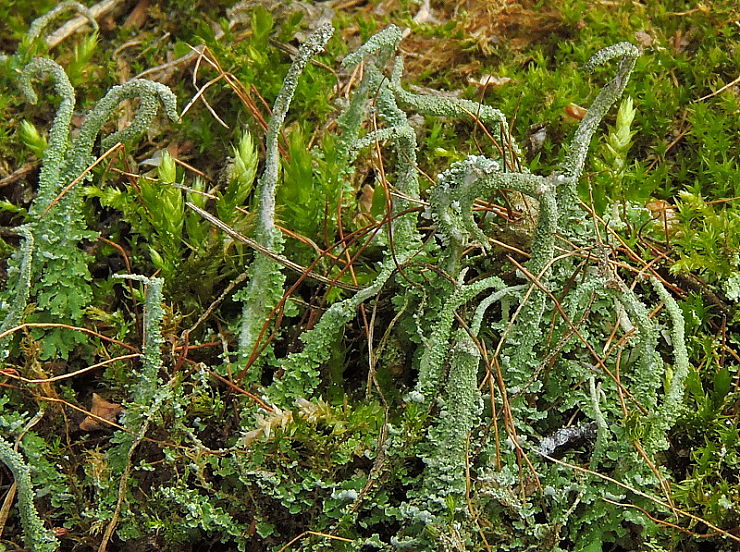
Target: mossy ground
680, 182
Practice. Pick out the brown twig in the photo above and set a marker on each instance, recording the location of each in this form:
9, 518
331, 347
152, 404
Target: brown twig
19, 173
69, 327
72, 374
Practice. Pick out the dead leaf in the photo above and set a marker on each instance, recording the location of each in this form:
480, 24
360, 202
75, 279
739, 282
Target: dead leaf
424, 15
488, 81
575, 111
536, 138
681, 41
665, 214
102, 409
643, 39
365, 201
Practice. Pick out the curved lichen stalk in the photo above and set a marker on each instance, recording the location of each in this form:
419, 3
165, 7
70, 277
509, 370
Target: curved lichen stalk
59, 271
383, 43
457, 188
65, 159
148, 381
444, 474
56, 151
572, 166
37, 537
558, 210
375, 52
451, 202
150, 94
453, 197
15, 303
668, 412
28, 46
149, 394
403, 235
440, 106
265, 287
40, 24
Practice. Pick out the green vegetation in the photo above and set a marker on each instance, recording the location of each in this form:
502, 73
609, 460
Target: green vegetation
376, 315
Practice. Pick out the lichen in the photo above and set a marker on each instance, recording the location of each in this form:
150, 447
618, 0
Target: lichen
58, 271
265, 287
37, 537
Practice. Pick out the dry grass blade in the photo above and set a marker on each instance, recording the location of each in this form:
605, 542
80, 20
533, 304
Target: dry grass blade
70, 27
314, 533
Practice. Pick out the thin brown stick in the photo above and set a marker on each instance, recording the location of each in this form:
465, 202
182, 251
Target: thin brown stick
69, 327
725, 87
662, 480
72, 374
19, 173
238, 389
315, 533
